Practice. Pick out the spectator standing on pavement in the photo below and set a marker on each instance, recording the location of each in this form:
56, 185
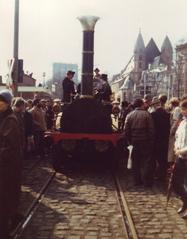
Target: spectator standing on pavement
49, 115
161, 119
39, 127
122, 115
10, 164
29, 138
147, 101
29, 105
68, 87
174, 122
139, 133
43, 106
19, 109
180, 173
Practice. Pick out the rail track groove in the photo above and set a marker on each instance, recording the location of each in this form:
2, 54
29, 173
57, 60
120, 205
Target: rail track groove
30, 212
130, 229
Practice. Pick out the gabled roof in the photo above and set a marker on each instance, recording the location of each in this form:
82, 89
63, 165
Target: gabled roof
152, 51
139, 46
167, 45
128, 84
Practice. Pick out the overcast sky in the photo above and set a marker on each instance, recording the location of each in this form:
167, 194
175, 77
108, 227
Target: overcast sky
50, 32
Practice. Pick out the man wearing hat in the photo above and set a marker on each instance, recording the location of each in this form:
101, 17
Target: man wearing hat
105, 91
10, 164
68, 87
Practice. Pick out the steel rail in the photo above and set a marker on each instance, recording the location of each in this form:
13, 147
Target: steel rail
130, 229
30, 212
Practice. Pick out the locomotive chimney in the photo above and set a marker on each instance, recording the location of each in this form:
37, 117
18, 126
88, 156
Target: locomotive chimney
88, 24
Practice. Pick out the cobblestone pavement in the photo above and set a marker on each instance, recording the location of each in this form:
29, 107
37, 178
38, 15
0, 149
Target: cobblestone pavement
78, 205
82, 205
151, 217
35, 173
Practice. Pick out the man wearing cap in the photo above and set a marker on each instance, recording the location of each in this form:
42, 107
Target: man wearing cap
68, 87
139, 132
10, 164
97, 81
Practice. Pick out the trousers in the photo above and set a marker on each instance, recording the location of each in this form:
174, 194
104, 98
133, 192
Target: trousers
179, 179
142, 163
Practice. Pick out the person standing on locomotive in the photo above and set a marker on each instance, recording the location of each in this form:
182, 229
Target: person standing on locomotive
68, 87
106, 91
97, 82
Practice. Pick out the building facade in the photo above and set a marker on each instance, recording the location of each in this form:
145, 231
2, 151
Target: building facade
181, 69
149, 71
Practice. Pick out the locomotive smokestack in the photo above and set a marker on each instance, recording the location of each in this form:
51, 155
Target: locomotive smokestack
88, 24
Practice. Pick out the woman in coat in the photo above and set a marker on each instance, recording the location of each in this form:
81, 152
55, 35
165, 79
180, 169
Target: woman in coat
10, 164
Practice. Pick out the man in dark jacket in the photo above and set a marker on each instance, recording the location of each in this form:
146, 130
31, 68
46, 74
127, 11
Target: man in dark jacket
49, 116
10, 164
161, 119
106, 91
139, 132
68, 87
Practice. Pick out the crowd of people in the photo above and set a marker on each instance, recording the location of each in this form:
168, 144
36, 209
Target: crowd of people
157, 130
155, 127
22, 127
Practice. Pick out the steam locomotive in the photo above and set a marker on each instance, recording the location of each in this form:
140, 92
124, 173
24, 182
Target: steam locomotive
86, 124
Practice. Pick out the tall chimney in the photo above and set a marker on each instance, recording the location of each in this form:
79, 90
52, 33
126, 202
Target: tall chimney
88, 24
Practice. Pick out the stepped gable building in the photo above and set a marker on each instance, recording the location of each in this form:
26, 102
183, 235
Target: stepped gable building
181, 69
150, 70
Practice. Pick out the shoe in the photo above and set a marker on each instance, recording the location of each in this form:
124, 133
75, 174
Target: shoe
138, 184
148, 185
184, 216
16, 220
182, 209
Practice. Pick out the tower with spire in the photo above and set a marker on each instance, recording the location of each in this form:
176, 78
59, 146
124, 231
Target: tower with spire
167, 52
151, 52
151, 70
139, 58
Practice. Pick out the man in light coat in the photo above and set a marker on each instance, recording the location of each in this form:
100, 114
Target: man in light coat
180, 172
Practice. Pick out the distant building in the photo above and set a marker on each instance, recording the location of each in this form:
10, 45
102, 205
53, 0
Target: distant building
59, 72
181, 69
150, 70
27, 89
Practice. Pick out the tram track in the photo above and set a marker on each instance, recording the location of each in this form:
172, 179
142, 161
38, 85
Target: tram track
41, 190
29, 168
129, 226
31, 210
